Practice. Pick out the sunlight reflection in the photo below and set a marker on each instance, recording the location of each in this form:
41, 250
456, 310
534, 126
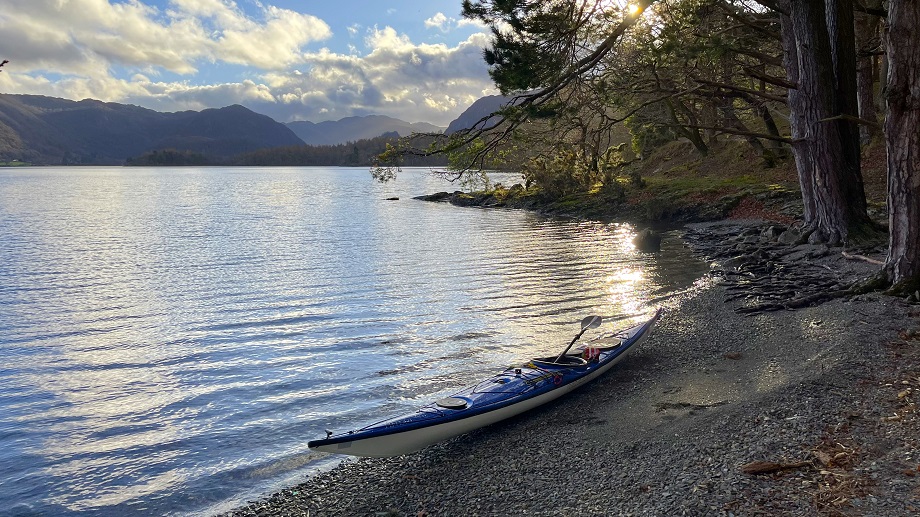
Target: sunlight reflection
623, 290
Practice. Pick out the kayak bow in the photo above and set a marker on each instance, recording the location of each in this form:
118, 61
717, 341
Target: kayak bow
513, 391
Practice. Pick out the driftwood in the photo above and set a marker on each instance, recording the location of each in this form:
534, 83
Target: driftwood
864, 258
769, 467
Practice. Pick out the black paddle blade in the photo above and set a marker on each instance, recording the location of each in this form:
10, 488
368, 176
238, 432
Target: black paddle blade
591, 322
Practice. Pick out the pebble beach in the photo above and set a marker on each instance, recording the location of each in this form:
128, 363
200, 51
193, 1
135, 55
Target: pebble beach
798, 412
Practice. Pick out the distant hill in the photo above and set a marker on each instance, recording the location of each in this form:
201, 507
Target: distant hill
476, 112
48, 130
361, 153
351, 129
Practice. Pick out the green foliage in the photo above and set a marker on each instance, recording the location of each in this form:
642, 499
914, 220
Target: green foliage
381, 151
648, 130
560, 174
170, 158
682, 69
532, 53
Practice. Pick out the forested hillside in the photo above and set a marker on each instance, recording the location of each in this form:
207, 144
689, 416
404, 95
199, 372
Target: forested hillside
48, 130
351, 129
362, 153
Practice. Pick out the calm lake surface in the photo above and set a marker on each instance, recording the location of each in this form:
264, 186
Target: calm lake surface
172, 338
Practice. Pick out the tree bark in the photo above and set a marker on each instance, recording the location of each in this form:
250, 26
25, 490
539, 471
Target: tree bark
867, 44
841, 32
902, 137
824, 93
797, 123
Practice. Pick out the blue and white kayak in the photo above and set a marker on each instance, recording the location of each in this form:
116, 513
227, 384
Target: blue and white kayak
513, 391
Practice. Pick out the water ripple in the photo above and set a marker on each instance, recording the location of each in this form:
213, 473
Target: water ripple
173, 337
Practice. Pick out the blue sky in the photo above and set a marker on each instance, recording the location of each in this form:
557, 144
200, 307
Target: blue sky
292, 60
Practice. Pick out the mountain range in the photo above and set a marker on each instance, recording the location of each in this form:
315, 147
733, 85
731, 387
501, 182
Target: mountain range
356, 128
49, 130
475, 115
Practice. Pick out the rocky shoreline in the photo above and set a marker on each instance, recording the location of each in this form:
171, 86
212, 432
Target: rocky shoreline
656, 208
801, 412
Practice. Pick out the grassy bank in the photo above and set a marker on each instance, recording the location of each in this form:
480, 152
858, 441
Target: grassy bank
677, 185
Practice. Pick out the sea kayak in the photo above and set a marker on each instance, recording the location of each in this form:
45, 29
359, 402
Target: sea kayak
511, 392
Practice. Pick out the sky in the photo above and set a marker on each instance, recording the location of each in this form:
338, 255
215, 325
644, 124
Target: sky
316, 60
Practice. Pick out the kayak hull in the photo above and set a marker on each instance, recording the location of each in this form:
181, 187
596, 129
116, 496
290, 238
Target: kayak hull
503, 396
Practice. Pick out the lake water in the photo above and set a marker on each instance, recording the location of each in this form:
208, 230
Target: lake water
172, 338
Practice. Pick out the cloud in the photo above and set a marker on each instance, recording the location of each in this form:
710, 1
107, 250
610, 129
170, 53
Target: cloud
439, 21
395, 77
276, 43
119, 52
445, 24
92, 36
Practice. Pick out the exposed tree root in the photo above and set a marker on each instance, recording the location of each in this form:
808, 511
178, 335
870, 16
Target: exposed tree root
770, 269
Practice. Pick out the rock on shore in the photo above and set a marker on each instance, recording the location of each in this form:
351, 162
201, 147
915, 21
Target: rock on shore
823, 397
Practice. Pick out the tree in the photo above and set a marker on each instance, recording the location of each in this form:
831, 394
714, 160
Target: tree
539, 50
868, 45
820, 52
709, 65
902, 137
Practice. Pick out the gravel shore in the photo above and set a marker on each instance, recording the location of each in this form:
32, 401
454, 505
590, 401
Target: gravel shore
823, 397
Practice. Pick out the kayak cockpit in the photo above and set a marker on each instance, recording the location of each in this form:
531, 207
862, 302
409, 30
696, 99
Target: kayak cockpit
566, 361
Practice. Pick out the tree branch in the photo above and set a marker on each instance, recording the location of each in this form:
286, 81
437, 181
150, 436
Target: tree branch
851, 118
735, 15
765, 136
578, 69
881, 13
776, 98
766, 58
776, 81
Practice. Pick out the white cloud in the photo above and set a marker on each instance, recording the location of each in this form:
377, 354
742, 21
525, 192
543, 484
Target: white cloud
100, 35
445, 24
395, 77
439, 21
466, 22
391, 75
275, 44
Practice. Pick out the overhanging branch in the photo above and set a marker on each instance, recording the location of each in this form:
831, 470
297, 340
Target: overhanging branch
726, 86
534, 99
739, 132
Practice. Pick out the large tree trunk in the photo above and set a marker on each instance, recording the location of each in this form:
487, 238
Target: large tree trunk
902, 136
840, 202
841, 32
867, 45
797, 127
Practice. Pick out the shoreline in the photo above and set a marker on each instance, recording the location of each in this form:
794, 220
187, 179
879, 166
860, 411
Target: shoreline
823, 397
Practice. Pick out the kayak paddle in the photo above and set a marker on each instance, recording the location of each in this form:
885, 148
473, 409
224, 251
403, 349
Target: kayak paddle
589, 322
